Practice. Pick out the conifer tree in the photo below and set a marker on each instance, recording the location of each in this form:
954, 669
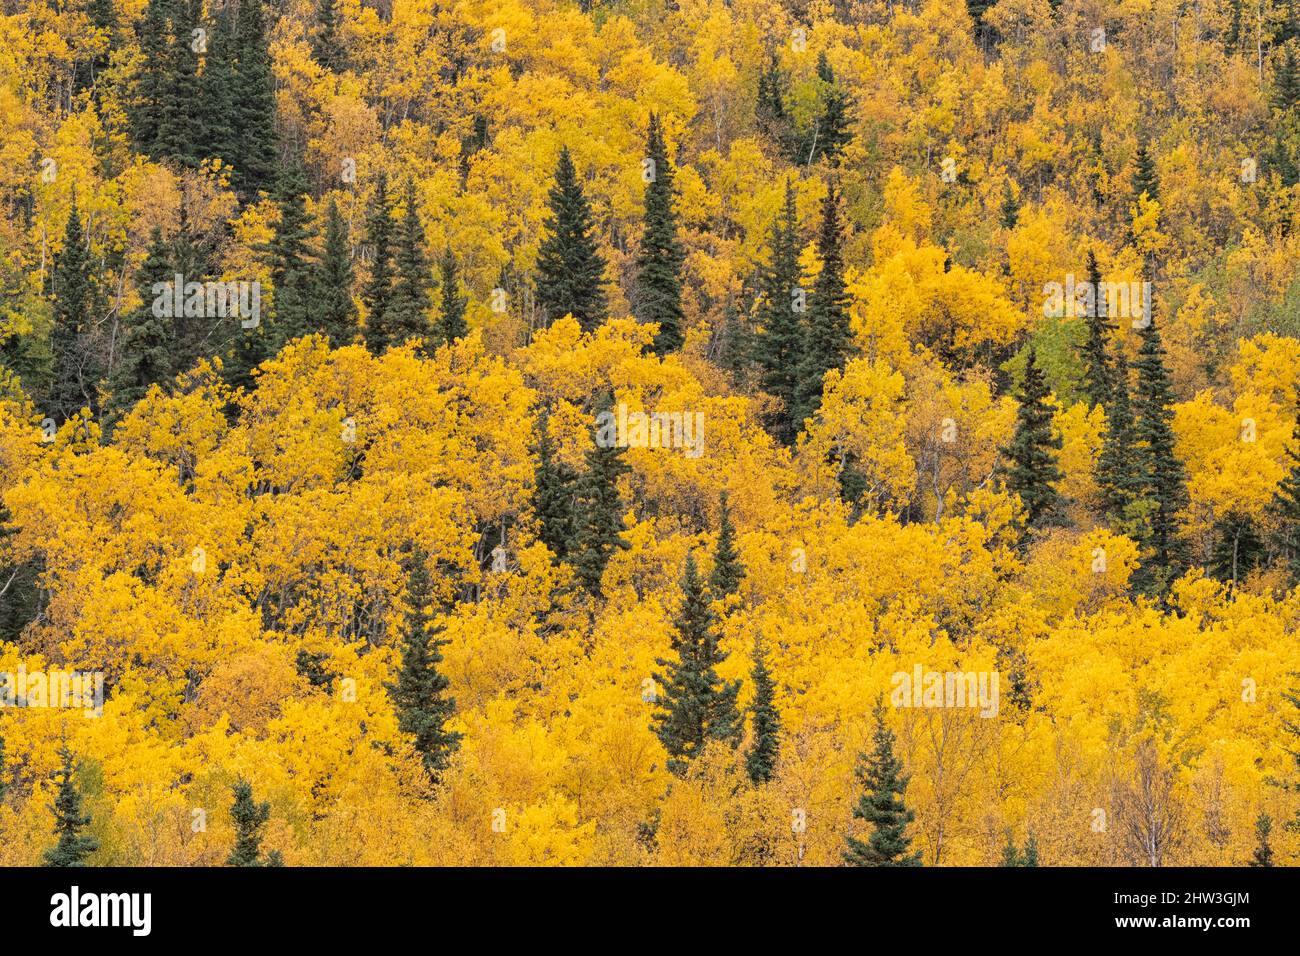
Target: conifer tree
779, 344
152, 86
291, 265
407, 316
147, 340
75, 374
1263, 855
983, 33
377, 293
598, 523
1097, 373
1164, 476
1287, 28
881, 805
831, 133
1145, 181
553, 501
1119, 473
193, 256
1232, 38
326, 45
1286, 82
1030, 469
249, 817
570, 270
69, 821
1284, 509
1010, 853
1146, 184
336, 312
695, 705
216, 93
658, 296
760, 761
735, 345
728, 571
1030, 855
420, 692
1009, 213
253, 96
180, 126
1235, 549
451, 323
828, 342
769, 111
1012, 856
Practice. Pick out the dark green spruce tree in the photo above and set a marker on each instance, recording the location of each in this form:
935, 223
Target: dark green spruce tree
1009, 214
984, 34
1285, 512
779, 345
1145, 181
658, 295
1012, 856
553, 498
1030, 855
828, 342
75, 370
765, 721
293, 271
598, 508
407, 316
881, 805
831, 133
770, 112
1119, 471
147, 340
570, 270
73, 845
216, 114
735, 344
334, 310
153, 82
327, 47
420, 692
728, 571
1263, 855
1030, 469
193, 256
1236, 548
377, 293
450, 324
1285, 129
1286, 82
249, 817
695, 705
1095, 350
180, 127
253, 96
1010, 852
1164, 476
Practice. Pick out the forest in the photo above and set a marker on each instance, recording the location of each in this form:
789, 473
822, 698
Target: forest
649, 433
